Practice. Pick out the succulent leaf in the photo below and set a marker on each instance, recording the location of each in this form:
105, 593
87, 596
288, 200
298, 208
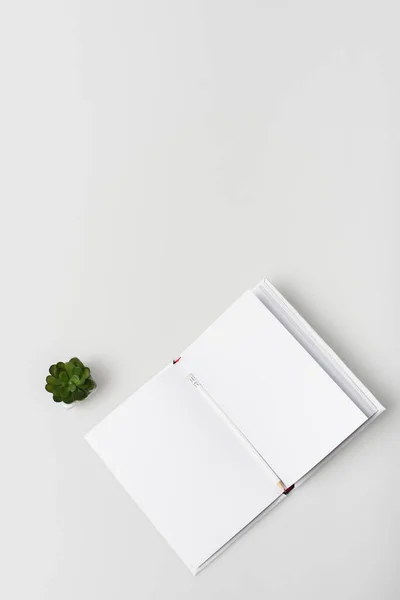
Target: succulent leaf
54, 370
84, 376
72, 387
60, 366
69, 367
57, 399
64, 393
48, 387
76, 362
63, 377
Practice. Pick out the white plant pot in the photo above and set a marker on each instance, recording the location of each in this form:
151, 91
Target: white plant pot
69, 406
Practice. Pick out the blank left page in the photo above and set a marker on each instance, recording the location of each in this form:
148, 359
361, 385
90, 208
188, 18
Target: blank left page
183, 466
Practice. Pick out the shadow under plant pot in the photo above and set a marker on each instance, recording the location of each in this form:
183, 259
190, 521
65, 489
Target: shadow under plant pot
70, 382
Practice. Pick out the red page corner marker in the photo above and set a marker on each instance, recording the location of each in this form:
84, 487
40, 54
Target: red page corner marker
176, 360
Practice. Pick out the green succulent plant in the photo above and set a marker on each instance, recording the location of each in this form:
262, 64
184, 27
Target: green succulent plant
69, 381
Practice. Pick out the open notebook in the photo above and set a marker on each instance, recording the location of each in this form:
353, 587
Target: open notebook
223, 434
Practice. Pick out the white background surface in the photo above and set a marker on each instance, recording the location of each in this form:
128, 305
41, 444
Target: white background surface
157, 159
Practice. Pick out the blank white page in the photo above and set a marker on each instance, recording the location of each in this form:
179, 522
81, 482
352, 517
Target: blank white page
183, 465
287, 406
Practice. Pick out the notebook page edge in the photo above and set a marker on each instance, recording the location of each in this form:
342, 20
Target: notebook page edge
303, 332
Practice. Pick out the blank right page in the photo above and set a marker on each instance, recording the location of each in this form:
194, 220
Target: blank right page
286, 405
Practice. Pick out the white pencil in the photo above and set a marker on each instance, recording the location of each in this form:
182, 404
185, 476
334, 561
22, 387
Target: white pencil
274, 477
